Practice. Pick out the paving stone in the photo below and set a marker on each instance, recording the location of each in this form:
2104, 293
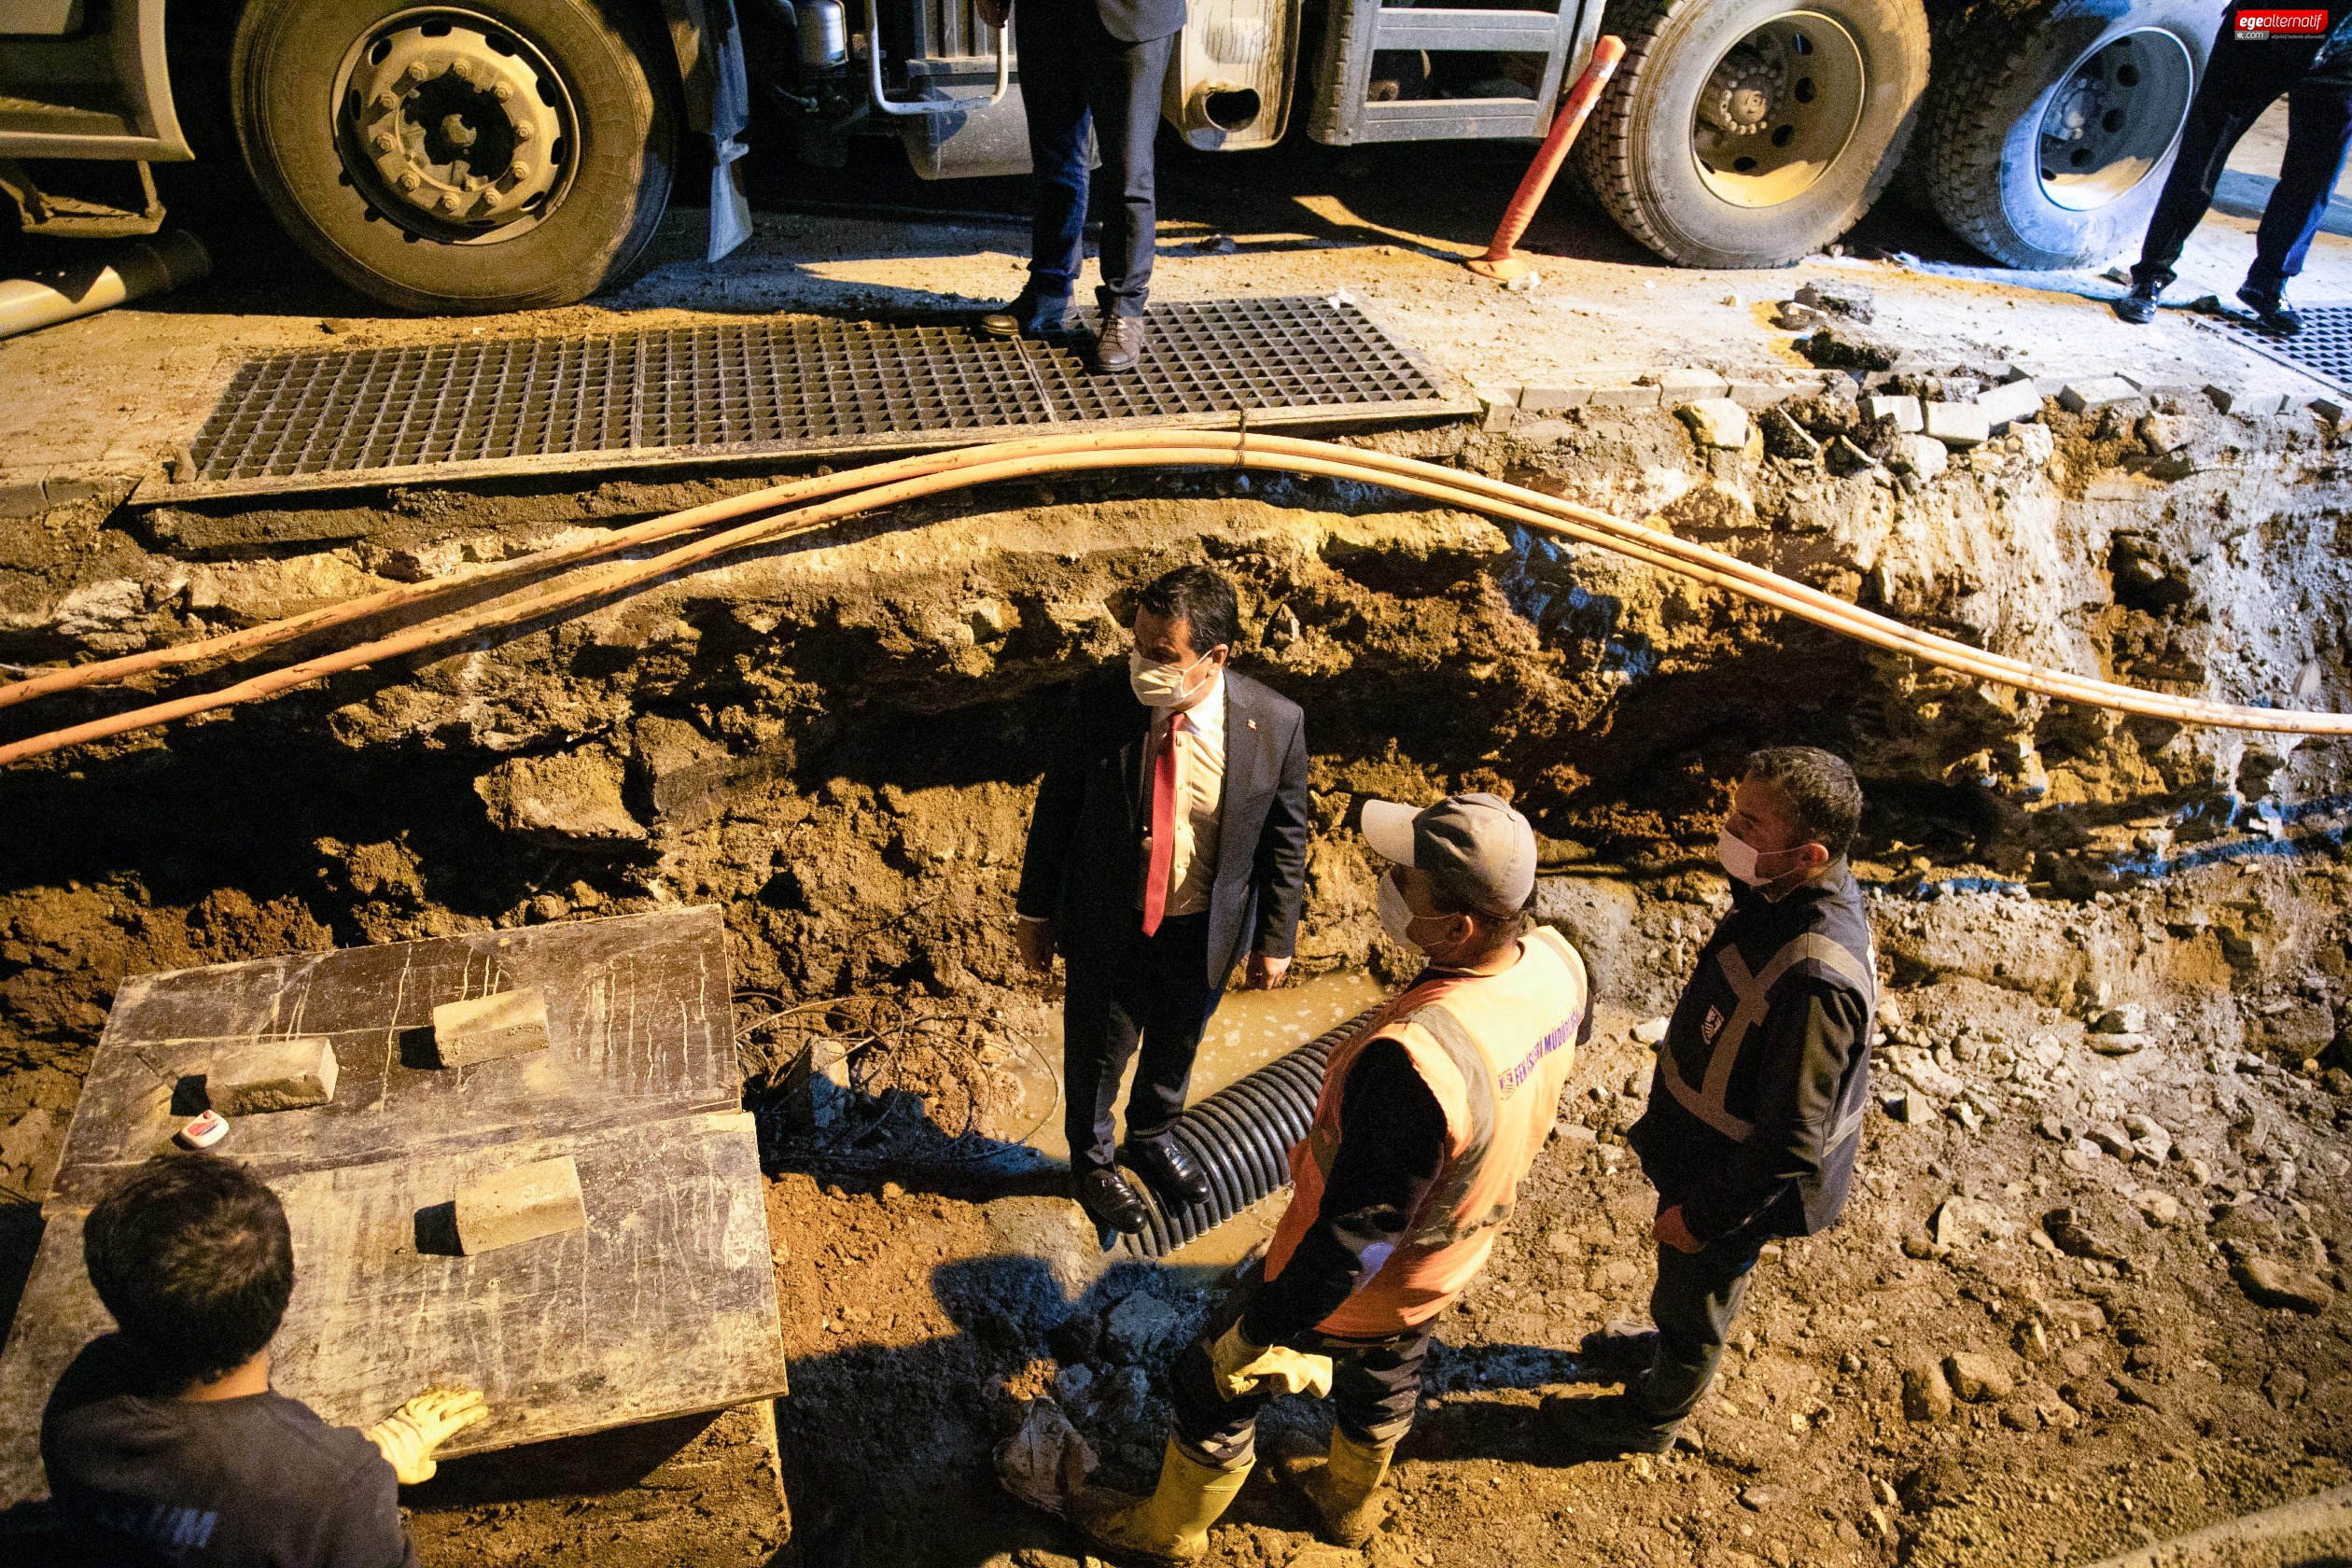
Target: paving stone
1690, 385
273, 1075
1959, 425
1716, 422
1905, 412
1543, 399
519, 1204
510, 1024
2231, 399
2097, 392
2010, 404
1758, 395
1624, 397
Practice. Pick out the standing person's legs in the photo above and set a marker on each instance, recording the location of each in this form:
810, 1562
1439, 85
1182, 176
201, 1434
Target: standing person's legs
1181, 1001
1047, 33
1375, 1392
1123, 89
1697, 1296
2224, 110
1103, 1013
2318, 132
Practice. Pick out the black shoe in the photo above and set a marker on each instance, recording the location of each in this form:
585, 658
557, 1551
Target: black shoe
1606, 1427
1621, 1350
1170, 1169
1119, 344
2138, 307
2271, 309
1031, 314
1108, 1200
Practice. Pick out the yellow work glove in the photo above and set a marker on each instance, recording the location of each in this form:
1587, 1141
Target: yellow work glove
1241, 1365
408, 1436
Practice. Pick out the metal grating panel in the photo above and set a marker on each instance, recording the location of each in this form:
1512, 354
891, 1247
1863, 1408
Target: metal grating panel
764, 386
2322, 350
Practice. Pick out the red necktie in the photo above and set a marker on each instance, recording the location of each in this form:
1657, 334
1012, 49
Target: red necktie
1163, 827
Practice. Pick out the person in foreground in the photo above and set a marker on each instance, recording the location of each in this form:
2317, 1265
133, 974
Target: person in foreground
163, 1442
1429, 1117
1755, 1110
1169, 836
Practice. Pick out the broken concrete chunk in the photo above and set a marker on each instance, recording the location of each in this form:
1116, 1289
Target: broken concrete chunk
510, 1024
1958, 424
1905, 412
1689, 384
1854, 301
1917, 455
273, 1075
2077, 395
1716, 422
520, 1205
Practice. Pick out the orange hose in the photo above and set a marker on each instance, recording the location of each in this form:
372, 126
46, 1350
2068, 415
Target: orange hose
1170, 448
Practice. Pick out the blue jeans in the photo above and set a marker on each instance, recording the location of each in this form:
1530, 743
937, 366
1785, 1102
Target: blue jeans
1076, 77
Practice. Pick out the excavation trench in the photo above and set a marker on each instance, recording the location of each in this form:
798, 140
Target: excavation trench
831, 727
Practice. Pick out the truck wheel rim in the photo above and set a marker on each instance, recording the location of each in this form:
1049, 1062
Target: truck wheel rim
2113, 119
455, 126
1778, 110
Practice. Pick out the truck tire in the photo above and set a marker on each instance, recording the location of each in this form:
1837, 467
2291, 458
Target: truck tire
2051, 124
494, 155
1751, 132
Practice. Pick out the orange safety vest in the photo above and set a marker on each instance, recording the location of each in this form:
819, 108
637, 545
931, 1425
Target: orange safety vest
1495, 1050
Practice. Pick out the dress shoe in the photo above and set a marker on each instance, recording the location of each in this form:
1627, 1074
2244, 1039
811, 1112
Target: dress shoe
1119, 344
1108, 1200
2138, 307
1031, 314
1173, 1173
2270, 308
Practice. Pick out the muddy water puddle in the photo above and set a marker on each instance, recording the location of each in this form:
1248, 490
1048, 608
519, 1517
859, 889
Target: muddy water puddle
1251, 1029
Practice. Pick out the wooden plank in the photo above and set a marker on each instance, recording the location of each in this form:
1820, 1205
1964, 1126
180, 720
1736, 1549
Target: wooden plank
664, 1306
639, 1021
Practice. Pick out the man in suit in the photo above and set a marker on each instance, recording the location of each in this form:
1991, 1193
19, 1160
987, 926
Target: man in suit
1098, 61
1169, 837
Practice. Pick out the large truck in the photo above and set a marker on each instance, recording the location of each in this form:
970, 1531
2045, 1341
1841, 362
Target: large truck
493, 155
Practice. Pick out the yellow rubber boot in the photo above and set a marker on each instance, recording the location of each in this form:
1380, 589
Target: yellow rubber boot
1347, 1489
1170, 1526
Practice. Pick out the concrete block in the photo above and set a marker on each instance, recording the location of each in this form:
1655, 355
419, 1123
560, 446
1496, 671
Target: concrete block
2009, 403
1624, 397
2230, 400
2097, 392
273, 1075
510, 1024
522, 1204
1690, 385
1903, 411
1717, 422
2154, 385
1546, 400
1958, 424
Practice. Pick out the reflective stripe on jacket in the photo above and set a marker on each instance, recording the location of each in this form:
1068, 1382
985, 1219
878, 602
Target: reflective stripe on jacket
1494, 1051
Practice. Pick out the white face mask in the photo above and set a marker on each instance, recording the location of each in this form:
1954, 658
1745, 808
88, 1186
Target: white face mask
1396, 916
1738, 856
1158, 685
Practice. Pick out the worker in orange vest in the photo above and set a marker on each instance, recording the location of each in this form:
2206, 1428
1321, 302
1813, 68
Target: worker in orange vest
1429, 1118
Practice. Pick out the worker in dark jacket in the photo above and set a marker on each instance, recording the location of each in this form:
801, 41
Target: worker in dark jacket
2261, 51
165, 1446
1099, 63
1756, 1108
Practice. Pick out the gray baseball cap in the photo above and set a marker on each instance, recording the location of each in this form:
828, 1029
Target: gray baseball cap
1474, 846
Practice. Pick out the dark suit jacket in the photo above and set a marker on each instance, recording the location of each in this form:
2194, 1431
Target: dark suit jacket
1084, 868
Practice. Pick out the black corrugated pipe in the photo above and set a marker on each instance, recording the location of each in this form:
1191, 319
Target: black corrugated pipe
1242, 1136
